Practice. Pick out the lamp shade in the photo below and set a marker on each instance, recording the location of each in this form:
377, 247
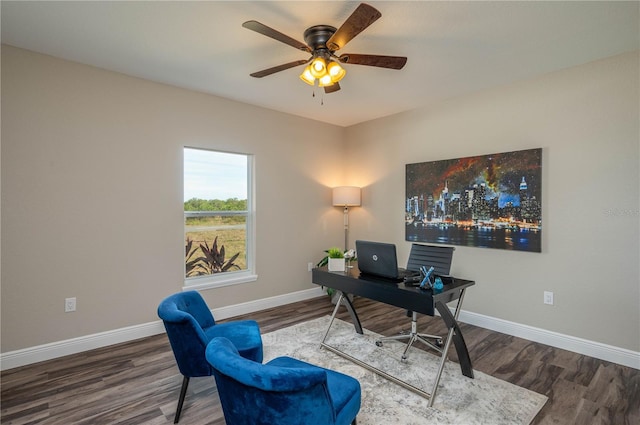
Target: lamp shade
307, 77
318, 67
348, 196
336, 72
325, 81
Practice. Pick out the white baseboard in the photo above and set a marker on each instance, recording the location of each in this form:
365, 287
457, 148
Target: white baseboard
257, 305
26, 356
54, 350
598, 350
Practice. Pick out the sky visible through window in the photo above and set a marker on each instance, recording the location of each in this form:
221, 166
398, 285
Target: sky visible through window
214, 175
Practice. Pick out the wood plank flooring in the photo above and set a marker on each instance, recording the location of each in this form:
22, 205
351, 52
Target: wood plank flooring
138, 382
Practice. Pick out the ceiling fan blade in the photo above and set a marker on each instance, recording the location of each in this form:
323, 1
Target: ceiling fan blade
392, 62
332, 88
360, 19
276, 35
278, 68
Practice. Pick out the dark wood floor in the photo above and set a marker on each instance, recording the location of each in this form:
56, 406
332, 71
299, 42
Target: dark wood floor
138, 382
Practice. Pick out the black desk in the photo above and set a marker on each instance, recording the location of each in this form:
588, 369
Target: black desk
424, 301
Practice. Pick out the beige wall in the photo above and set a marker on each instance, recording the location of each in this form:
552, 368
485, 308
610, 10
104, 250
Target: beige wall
586, 119
92, 195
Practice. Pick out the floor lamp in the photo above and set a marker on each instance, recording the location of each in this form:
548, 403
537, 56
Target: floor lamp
346, 196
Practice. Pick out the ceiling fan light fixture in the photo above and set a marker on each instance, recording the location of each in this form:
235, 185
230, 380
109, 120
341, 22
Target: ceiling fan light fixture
307, 77
325, 80
318, 67
335, 71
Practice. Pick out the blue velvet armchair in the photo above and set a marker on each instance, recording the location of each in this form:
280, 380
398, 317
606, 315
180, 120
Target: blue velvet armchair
284, 391
190, 326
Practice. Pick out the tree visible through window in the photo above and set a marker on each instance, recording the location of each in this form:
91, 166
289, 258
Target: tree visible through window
217, 215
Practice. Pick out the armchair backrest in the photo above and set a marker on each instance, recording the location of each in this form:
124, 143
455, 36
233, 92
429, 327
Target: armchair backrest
185, 315
252, 393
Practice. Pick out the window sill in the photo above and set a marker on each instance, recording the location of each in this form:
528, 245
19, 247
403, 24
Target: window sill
211, 282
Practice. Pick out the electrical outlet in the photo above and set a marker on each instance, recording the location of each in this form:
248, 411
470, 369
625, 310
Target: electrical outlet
309, 266
548, 297
69, 304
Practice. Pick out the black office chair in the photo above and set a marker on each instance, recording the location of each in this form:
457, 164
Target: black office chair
424, 255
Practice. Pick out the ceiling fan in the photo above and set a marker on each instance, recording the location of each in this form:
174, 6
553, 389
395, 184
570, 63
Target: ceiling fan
322, 41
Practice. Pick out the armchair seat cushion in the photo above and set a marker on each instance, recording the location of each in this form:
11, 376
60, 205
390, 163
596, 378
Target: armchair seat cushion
344, 390
245, 335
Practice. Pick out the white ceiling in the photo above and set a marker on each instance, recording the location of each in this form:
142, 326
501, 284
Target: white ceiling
453, 48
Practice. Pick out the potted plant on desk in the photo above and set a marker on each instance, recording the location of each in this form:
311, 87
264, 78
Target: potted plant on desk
340, 257
336, 260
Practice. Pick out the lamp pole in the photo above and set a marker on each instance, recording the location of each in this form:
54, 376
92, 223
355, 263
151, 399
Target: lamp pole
346, 227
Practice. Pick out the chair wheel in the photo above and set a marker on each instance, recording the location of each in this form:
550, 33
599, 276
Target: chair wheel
403, 358
379, 343
439, 343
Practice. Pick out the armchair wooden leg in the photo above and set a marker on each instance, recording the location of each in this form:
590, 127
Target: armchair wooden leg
183, 393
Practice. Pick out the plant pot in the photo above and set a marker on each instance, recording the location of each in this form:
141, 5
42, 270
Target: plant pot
336, 264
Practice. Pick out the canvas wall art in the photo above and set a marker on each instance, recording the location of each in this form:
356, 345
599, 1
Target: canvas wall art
490, 201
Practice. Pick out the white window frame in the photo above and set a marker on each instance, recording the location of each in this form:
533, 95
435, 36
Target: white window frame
218, 280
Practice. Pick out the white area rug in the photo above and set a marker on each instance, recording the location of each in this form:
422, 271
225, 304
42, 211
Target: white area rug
459, 400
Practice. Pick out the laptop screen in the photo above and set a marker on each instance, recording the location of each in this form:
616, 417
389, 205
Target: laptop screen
377, 258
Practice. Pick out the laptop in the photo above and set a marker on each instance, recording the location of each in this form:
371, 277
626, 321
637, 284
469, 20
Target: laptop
379, 259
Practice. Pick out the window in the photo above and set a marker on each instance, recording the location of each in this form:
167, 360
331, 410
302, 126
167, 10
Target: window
218, 219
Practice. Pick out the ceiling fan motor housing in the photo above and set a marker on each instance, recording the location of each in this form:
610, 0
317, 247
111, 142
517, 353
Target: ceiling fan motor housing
317, 36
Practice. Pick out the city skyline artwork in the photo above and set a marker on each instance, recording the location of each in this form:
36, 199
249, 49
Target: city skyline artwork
489, 201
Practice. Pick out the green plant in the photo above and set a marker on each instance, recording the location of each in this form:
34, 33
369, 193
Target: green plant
324, 260
191, 263
349, 255
212, 261
335, 253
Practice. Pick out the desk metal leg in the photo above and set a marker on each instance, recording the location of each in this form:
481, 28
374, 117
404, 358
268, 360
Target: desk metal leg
454, 334
377, 371
352, 311
356, 323
443, 360
461, 347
